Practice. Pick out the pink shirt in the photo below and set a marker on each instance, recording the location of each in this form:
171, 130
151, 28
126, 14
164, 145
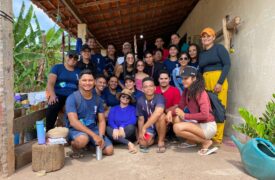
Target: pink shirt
199, 108
138, 84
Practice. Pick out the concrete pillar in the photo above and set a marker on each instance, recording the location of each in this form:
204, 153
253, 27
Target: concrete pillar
6, 92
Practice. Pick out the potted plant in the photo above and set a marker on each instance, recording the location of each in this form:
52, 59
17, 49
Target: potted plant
263, 127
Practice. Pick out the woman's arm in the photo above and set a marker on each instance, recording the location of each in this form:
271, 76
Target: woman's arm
50, 88
225, 59
174, 78
118, 72
204, 107
111, 119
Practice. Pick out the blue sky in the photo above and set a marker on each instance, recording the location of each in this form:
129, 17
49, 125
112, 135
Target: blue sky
42, 17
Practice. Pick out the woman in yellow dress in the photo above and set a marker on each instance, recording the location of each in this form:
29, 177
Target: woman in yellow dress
214, 63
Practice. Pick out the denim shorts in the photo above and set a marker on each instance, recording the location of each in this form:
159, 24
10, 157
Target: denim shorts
152, 130
73, 133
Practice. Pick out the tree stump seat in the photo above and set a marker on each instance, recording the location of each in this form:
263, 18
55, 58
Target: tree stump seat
48, 157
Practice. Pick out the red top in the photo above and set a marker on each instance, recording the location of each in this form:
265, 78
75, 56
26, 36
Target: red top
171, 96
165, 54
199, 108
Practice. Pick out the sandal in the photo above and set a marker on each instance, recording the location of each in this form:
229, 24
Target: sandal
143, 149
186, 145
75, 155
161, 149
204, 152
132, 148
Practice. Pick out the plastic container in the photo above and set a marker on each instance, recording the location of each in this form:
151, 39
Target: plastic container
41, 135
258, 157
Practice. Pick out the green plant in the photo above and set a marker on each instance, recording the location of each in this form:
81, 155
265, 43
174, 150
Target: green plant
35, 52
263, 127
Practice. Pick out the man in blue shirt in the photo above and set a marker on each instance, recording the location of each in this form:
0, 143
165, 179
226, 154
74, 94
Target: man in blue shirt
151, 117
96, 58
82, 109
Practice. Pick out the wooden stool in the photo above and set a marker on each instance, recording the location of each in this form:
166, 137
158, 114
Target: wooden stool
47, 157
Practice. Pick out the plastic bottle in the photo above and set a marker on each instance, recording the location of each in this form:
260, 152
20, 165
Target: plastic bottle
98, 153
41, 135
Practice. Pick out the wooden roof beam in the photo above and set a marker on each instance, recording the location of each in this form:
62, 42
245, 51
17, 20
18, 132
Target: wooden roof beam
72, 8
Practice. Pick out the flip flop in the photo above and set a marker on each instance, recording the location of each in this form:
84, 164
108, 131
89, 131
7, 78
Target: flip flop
75, 155
186, 145
161, 149
204, 152
143, 149
133, 151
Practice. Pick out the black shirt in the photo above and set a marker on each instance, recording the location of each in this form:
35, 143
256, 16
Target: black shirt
91, 66
153, 71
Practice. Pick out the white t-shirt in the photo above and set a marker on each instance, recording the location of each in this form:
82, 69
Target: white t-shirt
120, 60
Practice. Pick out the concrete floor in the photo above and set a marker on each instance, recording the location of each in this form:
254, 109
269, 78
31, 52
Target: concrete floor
175, 164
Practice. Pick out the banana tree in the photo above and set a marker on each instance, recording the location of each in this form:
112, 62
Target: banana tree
34, 51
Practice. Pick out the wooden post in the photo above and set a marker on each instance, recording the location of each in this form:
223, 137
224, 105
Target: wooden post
6, 91
82, 32
226, 34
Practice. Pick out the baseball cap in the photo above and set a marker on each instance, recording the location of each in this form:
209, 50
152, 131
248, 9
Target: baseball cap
72, 53
85, 47
189, 71
209, 31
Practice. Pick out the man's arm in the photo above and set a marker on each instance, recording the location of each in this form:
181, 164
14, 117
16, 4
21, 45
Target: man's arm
140, 123
154, 117
75, 123
101, 123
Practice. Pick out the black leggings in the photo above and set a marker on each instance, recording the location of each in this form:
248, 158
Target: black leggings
53, 110
130, 134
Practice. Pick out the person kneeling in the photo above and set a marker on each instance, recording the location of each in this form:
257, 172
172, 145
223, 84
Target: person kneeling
82, 107
199, 125
122, 120
151, 117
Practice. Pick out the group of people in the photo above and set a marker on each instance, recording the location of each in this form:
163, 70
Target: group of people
110, 100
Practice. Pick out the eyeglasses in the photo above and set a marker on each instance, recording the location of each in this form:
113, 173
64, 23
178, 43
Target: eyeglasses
140, 65
125, 97
183, 59
75, 57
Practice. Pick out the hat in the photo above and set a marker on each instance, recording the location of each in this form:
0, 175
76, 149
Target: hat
85, 47
189, 71
72, 53
126, 92
127, 77
209, 31
58, 132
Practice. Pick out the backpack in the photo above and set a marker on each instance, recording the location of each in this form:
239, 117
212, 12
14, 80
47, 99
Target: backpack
218, 110
78, 99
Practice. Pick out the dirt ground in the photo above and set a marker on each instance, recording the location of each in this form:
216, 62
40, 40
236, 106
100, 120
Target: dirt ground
176, 163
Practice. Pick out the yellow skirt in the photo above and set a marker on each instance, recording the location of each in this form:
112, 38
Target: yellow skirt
211, 78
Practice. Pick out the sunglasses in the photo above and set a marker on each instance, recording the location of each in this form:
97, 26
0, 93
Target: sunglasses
125, 97
183, 59
75, 57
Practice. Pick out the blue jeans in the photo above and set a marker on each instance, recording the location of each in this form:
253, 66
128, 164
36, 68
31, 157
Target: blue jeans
73, 133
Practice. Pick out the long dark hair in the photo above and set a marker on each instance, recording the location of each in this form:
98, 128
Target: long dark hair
137, 64
197, 87
125, 64
197, 48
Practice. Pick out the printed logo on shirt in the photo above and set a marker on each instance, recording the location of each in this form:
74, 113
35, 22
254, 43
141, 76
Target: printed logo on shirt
62, 84
98, 60
95, 109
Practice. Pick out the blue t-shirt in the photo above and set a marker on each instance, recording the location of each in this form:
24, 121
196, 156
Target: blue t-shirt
66, 82
146, 108
110, 99
102, 95
86, 110
170, 65
99, 60
137, 94
122, 117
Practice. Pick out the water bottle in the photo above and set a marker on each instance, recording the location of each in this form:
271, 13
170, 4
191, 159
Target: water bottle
41, 135
98, 153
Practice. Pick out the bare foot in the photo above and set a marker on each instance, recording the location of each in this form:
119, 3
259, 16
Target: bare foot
207, 144
132, 148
